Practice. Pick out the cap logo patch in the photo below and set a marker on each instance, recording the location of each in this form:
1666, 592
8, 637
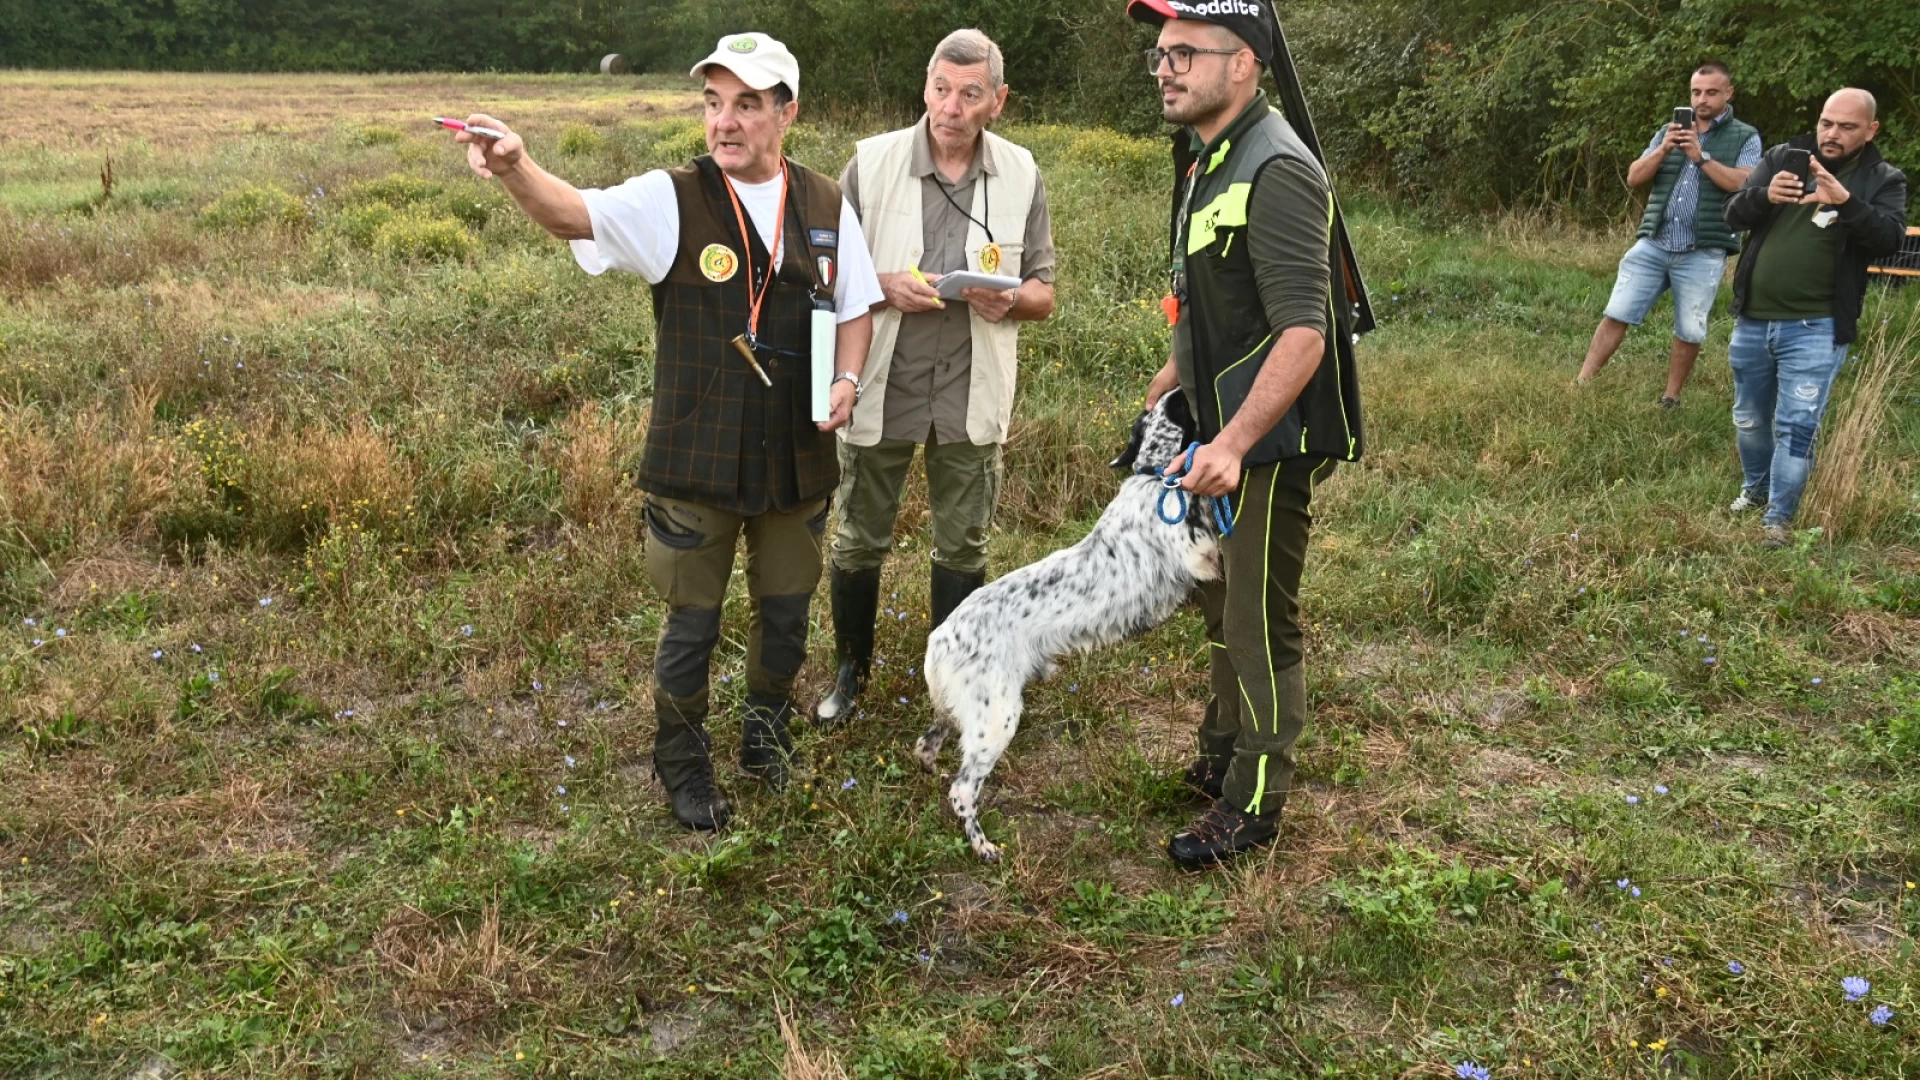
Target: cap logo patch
744, 45
718, 262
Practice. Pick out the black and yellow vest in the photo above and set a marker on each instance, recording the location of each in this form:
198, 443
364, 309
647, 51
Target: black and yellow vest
1221, 339
717, 435
1709, 219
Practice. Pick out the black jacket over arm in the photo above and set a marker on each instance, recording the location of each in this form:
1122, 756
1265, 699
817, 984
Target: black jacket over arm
1873, 220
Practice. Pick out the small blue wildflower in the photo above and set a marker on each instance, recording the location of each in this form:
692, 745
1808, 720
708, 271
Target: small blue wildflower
466, 630
1881, 1015
1711, 660
900, 917
266, 601
1855, 987
1178, 1000
1636, 892
909, 671
565, 809
39, 641
1702, 639
563, 723
1816, 680
61, 632
1633, 800
903, 701
538, 686
158, 653
29, 622
197, 650
880, 661
923, 957
848, 785
1583, 591
560, 789
1735, 967
1659, 789
1073, 688
213, 676
1666, 961
1467, 1070
726, 678
1624, 884
569, 761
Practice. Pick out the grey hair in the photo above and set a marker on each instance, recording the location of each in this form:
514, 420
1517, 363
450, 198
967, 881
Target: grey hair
969, 47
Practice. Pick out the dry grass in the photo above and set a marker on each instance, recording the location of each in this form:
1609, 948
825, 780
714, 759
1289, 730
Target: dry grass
1858, 486
801, 1063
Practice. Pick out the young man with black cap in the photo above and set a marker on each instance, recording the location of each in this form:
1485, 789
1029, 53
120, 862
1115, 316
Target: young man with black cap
1265, 303
731, 447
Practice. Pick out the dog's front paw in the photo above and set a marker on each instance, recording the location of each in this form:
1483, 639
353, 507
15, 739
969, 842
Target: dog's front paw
987, 850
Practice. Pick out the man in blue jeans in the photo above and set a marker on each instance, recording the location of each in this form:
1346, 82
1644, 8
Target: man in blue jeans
1684, 240
1798, 292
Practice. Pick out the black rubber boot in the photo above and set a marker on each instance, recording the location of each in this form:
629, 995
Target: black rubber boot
1220, 834
856, 604
766, 748
948, 588
685, 767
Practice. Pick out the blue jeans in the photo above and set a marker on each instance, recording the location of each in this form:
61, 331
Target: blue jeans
1646, 271
1782, 372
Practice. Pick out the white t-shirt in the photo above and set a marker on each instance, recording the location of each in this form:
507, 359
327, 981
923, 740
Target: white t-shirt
636, 228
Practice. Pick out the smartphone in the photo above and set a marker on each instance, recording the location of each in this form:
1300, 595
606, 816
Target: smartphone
461, 125
1800, 164
1683, 116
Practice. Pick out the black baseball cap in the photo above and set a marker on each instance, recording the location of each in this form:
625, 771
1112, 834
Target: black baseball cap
1254, 20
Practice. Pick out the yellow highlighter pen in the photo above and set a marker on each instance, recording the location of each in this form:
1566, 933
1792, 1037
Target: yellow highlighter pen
922, 278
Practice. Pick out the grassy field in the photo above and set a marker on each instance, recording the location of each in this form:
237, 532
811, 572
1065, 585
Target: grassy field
326, 639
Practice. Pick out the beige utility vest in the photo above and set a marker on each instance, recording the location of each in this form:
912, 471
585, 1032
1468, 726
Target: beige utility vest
890, 215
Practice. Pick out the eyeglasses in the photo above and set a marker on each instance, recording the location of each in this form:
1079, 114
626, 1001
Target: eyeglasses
1179, 58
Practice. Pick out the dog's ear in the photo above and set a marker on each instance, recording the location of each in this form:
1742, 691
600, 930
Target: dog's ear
1132, 452
1181, 416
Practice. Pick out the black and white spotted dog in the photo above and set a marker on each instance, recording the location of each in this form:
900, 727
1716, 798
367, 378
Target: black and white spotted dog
1126, 577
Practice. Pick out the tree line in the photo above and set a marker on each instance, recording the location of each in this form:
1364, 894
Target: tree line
1483, 102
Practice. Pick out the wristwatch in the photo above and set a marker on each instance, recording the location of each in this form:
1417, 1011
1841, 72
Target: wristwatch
858, 388
1704, 156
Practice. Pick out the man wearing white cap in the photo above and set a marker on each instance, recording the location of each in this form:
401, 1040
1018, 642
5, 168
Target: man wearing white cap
731, 446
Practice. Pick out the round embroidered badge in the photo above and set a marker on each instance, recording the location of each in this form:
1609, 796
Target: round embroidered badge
990, 259
744, 45
718, 262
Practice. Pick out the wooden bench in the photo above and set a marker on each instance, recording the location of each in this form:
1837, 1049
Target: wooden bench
1906, 262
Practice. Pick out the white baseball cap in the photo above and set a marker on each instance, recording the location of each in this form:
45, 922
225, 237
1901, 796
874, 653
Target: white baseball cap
757, 59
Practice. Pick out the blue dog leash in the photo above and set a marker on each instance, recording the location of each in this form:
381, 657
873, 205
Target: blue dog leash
1170, 478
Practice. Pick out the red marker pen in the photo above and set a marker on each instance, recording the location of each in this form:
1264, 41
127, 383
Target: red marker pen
459, 125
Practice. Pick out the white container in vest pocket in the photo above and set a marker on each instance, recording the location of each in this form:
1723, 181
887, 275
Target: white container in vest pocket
824, 327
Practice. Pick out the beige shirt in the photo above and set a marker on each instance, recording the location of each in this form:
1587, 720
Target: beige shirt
933, 359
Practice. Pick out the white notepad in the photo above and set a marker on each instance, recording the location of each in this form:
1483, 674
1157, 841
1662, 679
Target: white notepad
949, 285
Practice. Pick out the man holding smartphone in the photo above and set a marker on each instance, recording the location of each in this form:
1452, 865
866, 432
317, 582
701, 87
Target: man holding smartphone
1683, 242
741, 246
1818, 208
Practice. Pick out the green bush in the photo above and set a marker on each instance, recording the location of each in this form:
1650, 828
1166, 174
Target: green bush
416, 237
580, 139
471, 206
378, 135
1126, 157
248, 207
397, 190
359, 223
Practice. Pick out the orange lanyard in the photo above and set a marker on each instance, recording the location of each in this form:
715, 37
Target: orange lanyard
746, 244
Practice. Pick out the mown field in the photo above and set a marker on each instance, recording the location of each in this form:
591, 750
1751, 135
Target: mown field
326, 643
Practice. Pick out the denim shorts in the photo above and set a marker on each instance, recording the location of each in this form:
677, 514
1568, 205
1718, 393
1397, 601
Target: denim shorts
1646, 271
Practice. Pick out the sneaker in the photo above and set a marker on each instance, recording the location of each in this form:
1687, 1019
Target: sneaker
1669, 403
1748, 500
1222, 833
1777, 537
1204, 778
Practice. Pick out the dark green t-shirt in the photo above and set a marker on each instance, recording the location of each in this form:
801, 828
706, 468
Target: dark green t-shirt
1793, 278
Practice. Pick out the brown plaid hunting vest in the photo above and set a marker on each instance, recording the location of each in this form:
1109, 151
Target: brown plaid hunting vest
718, 436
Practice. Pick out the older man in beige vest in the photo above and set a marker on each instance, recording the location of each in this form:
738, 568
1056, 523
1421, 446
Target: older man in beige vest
942, 196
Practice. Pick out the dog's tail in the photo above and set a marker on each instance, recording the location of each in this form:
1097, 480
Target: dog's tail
936, 665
